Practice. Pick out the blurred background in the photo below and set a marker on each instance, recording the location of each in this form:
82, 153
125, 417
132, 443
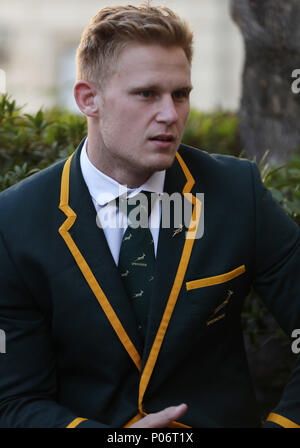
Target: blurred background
38, 40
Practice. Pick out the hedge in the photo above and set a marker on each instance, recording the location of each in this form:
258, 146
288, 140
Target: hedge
29, 143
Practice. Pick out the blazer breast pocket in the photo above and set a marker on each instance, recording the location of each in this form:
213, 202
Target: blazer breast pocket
216, 279
214, 302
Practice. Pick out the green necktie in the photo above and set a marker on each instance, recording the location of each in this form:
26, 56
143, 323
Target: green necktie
137, 258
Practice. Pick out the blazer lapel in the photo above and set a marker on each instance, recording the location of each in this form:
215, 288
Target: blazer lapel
168, 317
88, 246
169, 251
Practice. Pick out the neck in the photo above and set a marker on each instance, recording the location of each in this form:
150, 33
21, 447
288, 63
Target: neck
124, 175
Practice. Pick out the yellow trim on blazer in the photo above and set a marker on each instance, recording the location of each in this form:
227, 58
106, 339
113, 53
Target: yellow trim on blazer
85, 269
282, 421
216, 279
76, 422
185, 257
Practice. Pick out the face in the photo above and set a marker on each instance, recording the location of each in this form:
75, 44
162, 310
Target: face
143, 110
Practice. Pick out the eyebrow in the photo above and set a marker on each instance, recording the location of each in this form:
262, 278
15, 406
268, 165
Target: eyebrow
187, 88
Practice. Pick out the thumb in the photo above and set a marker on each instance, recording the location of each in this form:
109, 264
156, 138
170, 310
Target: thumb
163, 418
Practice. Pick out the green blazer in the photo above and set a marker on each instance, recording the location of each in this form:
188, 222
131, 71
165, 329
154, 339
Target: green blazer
74, 357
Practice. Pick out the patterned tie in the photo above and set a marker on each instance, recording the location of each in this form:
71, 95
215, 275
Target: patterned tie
137, 258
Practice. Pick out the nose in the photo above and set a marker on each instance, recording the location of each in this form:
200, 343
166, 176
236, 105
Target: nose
167, 112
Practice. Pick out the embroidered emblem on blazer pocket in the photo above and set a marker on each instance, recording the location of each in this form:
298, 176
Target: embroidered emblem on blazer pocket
214, 317
212, 321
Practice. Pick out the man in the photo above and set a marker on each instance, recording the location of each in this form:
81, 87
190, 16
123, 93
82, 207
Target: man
81, 352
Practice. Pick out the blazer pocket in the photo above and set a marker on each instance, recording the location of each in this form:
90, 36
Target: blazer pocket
216, 279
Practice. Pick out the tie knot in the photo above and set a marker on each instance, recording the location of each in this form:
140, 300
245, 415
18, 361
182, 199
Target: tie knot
137, 208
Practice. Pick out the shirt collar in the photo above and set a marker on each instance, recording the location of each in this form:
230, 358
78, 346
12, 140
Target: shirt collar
104, 189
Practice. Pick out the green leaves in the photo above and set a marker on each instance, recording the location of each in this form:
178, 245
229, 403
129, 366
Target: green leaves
17, 174
37, 123
8, 108
213, 132
29, 142
284, 183
218, 132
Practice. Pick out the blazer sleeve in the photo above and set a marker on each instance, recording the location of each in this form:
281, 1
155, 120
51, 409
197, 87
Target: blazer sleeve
27, 365
277, 281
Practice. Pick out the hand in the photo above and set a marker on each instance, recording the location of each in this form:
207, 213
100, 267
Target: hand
161, 419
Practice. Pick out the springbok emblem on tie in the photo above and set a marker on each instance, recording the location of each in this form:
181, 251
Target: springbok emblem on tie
127, 238
141, 258
138, 294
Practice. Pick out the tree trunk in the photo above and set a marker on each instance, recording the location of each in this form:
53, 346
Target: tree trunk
270, 104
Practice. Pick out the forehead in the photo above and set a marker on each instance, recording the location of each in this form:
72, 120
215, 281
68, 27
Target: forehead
143, 64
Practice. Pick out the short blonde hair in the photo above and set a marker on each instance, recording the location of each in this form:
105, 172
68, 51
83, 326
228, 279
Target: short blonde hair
113, 28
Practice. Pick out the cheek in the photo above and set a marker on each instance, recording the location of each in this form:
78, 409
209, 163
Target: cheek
125, 118
120, 132
185, 113
113, 122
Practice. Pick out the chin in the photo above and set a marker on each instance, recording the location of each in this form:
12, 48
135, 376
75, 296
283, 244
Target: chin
163, 162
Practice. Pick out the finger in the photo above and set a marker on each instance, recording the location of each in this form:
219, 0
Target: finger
162, 418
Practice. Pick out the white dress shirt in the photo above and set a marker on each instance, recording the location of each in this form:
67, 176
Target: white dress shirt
104, 190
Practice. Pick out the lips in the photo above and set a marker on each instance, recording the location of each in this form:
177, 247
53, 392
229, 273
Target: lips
163, 138
163, 141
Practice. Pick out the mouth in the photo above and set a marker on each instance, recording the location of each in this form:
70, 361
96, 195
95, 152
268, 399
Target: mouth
163, 140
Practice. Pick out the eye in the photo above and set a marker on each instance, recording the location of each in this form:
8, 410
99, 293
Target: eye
180, 94
146, 93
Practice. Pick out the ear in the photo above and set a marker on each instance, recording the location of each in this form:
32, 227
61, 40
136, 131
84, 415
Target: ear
85, 94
